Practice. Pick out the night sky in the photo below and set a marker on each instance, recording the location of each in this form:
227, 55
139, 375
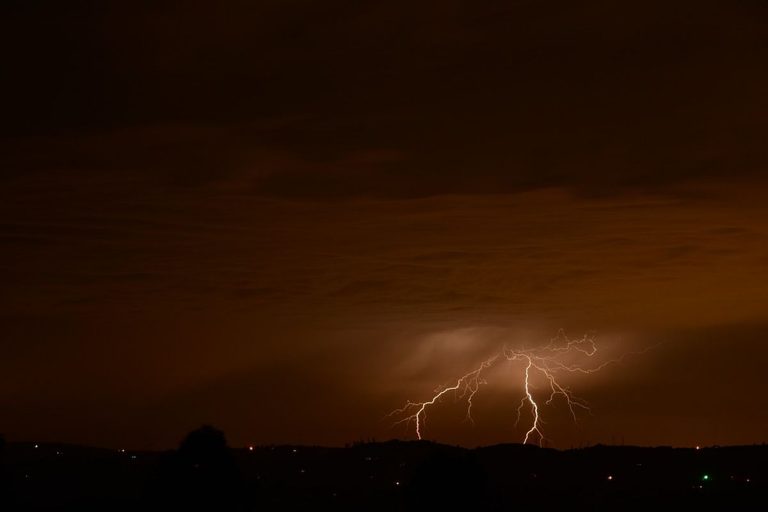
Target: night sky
287, 218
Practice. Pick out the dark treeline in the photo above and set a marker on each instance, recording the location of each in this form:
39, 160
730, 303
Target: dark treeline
205, 474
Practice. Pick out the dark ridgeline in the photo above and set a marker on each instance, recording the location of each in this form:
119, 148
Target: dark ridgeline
4, 475
205, 474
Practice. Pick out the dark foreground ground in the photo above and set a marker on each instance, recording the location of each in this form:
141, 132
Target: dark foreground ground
383, 476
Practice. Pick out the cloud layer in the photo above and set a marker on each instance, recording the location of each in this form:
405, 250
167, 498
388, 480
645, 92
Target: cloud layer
208, 212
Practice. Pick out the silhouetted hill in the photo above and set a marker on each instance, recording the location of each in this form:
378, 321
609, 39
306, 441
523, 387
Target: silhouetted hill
392, 475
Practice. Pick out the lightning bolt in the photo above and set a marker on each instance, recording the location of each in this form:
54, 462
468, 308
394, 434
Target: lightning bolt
547, 361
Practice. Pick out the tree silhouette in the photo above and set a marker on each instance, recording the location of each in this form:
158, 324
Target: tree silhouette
200, 475
205, 449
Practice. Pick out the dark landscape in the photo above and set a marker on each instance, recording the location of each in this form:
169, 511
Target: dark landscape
394, 475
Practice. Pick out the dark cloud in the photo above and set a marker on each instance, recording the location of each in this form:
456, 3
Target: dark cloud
201, 202
300, 99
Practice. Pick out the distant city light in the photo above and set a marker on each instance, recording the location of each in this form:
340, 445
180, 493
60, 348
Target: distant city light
250, 448
698, 447
705, 477
610, 477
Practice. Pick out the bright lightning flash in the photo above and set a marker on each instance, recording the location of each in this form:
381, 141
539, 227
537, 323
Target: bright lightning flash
548, 361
